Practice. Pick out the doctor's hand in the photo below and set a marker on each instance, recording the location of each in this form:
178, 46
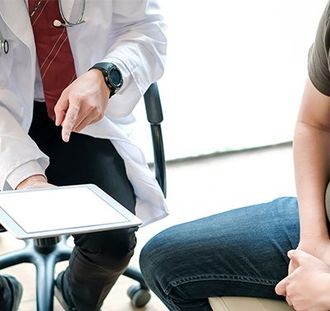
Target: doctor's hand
82, 103
307, 287
35, 181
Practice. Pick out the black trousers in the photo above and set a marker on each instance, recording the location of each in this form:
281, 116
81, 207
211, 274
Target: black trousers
98, 259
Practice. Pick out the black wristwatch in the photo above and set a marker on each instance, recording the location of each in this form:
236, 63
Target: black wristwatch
112, 76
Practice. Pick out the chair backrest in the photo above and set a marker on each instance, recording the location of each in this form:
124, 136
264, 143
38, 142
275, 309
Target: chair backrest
155, 117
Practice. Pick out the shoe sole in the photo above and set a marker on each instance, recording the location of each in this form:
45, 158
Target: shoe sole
59, 295
17, 290
60, 298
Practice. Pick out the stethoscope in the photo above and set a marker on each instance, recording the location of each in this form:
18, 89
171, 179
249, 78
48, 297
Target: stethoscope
67, 23
4, 44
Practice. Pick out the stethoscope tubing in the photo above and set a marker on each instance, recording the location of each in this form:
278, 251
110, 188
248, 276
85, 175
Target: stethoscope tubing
67, 23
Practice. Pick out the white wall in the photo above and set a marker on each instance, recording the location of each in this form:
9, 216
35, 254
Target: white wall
235, 73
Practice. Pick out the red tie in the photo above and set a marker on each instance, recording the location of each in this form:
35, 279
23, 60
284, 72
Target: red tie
53, 50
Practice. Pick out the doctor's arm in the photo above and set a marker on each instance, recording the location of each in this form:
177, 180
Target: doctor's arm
34, 181
138, 50
22, 164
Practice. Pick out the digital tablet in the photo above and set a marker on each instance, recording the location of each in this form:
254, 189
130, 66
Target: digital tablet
54, 211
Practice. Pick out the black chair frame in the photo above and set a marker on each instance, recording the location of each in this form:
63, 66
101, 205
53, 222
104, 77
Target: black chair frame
46, 252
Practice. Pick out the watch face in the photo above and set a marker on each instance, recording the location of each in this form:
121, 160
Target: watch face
115, 77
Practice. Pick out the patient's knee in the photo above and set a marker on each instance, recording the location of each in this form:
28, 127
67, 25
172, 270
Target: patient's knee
157, 254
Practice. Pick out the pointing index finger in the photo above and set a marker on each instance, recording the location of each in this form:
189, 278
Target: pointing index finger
70, 120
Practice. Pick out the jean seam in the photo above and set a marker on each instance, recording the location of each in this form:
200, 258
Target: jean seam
220, 277
173, 306
210, 277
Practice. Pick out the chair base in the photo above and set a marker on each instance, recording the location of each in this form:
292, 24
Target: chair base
139, 294
44, 254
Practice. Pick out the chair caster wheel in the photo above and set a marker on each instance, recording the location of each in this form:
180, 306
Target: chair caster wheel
139, 296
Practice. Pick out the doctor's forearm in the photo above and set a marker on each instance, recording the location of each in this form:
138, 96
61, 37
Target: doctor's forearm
139, 42
23, 172
32, 181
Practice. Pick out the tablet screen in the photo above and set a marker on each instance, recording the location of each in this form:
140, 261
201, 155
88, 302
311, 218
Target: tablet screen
59, 208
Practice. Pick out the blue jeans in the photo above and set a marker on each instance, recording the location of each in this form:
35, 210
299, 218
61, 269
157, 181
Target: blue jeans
241, 252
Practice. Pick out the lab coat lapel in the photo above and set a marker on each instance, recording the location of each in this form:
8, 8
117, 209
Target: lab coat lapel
15, 14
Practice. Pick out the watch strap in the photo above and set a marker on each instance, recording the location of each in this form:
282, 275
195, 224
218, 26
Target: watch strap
105, 68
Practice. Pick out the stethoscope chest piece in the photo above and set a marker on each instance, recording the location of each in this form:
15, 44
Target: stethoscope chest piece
57, 23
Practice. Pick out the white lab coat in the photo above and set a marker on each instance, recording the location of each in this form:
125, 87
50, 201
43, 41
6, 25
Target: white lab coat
129, 33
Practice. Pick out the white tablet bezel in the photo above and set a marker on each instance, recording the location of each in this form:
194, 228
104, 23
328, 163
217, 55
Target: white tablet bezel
12, 225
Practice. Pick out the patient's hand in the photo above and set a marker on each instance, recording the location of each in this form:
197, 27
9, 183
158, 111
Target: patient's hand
318, 247
308, 286
35, 181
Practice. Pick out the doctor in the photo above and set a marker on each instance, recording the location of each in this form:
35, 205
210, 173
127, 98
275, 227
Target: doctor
71, 75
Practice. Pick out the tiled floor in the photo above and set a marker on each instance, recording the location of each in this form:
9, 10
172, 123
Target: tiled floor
196, 188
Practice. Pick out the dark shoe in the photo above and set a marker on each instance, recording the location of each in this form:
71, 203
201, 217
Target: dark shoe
60, 294
16, 291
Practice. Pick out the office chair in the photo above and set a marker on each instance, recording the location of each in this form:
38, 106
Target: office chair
44, 253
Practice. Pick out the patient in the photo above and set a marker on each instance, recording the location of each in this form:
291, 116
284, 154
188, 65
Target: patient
243, 252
